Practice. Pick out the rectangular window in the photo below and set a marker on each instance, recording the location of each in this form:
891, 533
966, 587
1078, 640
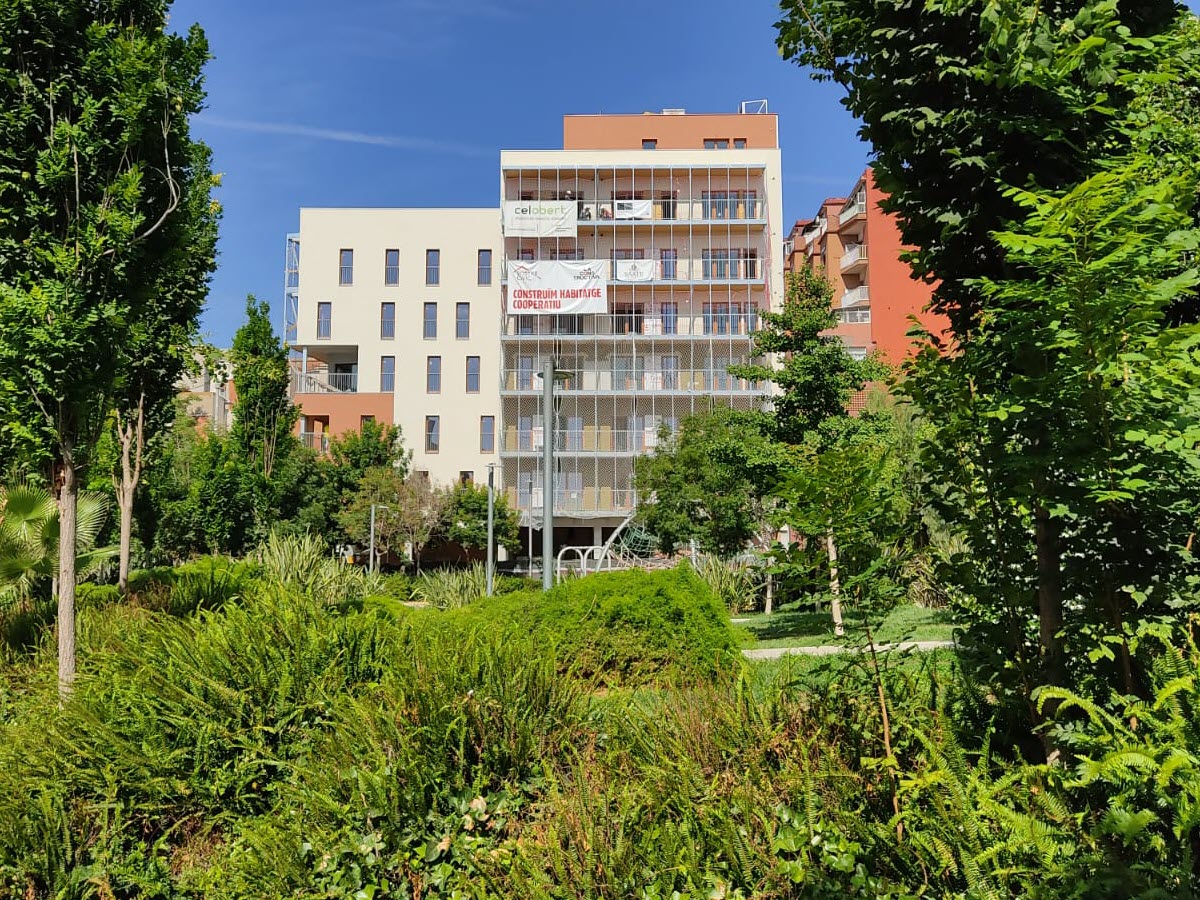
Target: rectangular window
487, 434
525, 373
387, 321
466, 478
739, 143
433, 374
391, 267
484, 275
649, 144
670, 264
433, 434
387, 374
430, 327
324, 320
670, 318
472, 374
716, 143
462, 320
670, 373
364, 421
749, 264
433, 266
345, 267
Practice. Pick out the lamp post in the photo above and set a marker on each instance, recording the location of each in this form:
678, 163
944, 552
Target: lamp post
491, 550
549, 376
371, 561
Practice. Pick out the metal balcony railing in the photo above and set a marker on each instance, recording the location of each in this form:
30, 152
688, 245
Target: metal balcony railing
581, 441
588, 499
854, 296
711, 209
324, 383
718, 323
315, 440
636, 382
665, 271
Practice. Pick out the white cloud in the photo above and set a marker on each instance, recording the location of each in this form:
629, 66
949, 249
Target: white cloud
395, 141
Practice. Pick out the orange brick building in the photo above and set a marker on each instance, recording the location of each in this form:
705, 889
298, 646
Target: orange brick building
875, 296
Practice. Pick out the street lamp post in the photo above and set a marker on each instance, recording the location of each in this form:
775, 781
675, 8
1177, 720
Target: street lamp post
547, 474
491, 548
371, 560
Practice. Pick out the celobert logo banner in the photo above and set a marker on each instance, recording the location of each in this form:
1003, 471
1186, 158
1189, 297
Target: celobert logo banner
540, 218
559, 287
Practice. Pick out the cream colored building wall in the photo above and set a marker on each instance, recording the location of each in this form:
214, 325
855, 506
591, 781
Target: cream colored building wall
458, 234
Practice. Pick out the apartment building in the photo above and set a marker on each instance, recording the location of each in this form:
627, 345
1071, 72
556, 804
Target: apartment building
875, 296
637, 258
391, 315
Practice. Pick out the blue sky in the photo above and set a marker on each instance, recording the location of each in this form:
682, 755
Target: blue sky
408, 103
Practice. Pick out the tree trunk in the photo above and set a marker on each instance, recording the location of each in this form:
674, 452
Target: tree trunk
835, 585
770, 598
68, 497
1049, 595
132, 436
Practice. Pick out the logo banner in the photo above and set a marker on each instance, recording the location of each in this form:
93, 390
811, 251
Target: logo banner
635, 269
633, 209
560, 287
540, 218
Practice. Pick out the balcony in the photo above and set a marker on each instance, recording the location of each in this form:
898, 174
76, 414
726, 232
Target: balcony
855, 296
324, 382
741, 323
853, 211
854, 259
641, 382
587, 501
656, 212
584, 441
315, 440
682, 271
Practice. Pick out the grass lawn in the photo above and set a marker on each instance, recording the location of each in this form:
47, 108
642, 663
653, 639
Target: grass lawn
797, 625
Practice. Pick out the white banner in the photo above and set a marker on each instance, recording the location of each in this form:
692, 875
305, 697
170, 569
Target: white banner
635, 270
540, 218
561, 287
633, 209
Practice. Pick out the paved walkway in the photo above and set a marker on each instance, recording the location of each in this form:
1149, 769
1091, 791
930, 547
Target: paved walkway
827, 650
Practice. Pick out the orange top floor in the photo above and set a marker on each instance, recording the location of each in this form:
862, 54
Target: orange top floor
671, 131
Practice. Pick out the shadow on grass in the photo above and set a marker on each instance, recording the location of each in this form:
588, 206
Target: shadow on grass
790, 623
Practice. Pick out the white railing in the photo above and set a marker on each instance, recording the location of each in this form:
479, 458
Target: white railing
324, 383
855, 296
712, 209
854, 254
640, 382
666, 271
740, 322
581, 441
315, 440
855, 209
588, 499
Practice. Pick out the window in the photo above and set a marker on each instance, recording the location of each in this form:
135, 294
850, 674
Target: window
859, 316
324, 321
387, 374
465, 477
391, 267
433, 434
433, 374
716, 143
433, 266
472, 374
462, 321
670, 318
487, 434
649, 144
859, 353
345, 267
739, 143
484, 275
525, 373
670, 373
387, 320
430, 331
364, 421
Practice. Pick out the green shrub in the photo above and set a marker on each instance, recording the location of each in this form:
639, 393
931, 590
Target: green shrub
621, 628
737, 585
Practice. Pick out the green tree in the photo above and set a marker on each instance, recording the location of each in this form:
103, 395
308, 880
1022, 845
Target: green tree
465, 522
95, 160
263, 415
414, 512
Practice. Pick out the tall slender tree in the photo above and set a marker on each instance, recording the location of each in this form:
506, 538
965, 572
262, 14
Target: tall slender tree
96, 158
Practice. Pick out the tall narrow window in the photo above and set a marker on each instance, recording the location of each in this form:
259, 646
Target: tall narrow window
462, 320
345, 267
472, 374
433, 266
487, 434
670, 318
391, 267
433, 434
430, 325
324, 320
484, 275
387, 374
387, 321
433, 374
